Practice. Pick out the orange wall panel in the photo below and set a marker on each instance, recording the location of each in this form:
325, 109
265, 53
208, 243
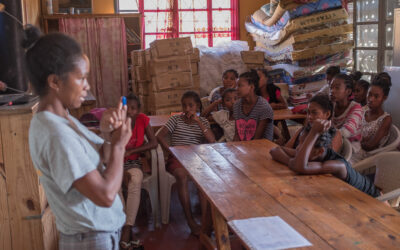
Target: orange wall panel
103, 6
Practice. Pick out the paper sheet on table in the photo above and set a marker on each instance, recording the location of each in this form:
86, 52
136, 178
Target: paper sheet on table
268, 233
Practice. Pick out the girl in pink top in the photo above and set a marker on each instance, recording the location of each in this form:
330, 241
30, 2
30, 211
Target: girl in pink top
269, 91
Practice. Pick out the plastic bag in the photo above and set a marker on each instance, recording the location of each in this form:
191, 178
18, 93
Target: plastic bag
215, 60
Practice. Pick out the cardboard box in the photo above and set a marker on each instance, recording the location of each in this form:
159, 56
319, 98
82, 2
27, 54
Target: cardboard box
195, 68
166, 99
140, 73
254, 66
171, 64
172, 80
144, 100
171, 47
196, 83
142, 88
195, 56
138, 57
252, 57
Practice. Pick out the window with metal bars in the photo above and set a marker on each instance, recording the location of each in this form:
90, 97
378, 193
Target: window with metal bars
207, 22
373, 32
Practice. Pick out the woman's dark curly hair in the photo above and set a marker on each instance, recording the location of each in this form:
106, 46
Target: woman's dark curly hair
193, 95
384, 81
54, 53
252, 78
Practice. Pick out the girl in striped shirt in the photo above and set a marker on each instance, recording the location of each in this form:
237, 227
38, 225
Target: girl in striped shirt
347, 114
187, 128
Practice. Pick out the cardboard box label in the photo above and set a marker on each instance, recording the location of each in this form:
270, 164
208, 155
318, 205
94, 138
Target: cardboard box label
173, 64
166, 99
173, 80
252, 57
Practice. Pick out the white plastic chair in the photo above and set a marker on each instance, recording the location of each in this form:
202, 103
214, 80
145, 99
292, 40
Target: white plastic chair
166, 182
150, 184
394, 141
346, 150
387, 176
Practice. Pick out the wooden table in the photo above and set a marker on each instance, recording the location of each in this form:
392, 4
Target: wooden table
157, 121
287, 114
240, 180
281, 115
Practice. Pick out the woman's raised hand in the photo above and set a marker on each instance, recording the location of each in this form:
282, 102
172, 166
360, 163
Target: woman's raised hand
113, 118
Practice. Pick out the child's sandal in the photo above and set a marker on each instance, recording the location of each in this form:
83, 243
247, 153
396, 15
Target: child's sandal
125, 245
136, 245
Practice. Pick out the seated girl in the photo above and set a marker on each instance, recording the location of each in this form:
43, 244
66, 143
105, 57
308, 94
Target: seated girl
331, 72
229, 79
252, 113
270, 91
376, 123
224, 117
360, 92
319, 108
315, 156
133, 168
347, 114
185, 129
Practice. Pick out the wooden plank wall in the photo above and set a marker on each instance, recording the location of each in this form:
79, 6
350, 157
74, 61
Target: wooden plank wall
5, 235
22, 183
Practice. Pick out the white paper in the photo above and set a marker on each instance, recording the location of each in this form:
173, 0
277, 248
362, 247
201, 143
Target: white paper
268, 233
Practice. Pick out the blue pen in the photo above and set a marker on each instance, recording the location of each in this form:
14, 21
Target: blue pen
124, 103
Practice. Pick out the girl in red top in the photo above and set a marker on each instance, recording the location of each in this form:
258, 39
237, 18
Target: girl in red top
132, 168
270, 91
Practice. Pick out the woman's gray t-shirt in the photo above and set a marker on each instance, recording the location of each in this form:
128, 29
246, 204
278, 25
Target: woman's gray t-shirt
63, 154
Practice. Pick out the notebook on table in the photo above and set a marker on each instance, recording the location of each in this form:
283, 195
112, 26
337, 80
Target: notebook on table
264, 233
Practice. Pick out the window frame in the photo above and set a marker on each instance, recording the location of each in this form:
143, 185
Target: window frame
175, 19
382, 43
117, 10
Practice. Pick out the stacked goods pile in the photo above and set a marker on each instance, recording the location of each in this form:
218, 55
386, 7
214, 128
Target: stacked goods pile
164, 72
141, 75
253, 59
301, 40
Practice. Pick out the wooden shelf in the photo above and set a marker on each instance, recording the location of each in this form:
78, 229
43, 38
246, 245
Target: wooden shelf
85, 15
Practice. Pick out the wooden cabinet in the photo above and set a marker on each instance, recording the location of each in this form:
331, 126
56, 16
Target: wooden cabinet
26, 221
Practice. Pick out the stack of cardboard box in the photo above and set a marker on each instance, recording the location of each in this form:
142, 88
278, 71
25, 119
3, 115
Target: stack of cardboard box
164, 72
141, 76
253, 59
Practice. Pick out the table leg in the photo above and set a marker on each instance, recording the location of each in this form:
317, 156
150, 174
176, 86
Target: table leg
285, 130
221, 230
206, 224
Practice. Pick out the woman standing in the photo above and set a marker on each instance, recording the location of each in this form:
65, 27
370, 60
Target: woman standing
81, 191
